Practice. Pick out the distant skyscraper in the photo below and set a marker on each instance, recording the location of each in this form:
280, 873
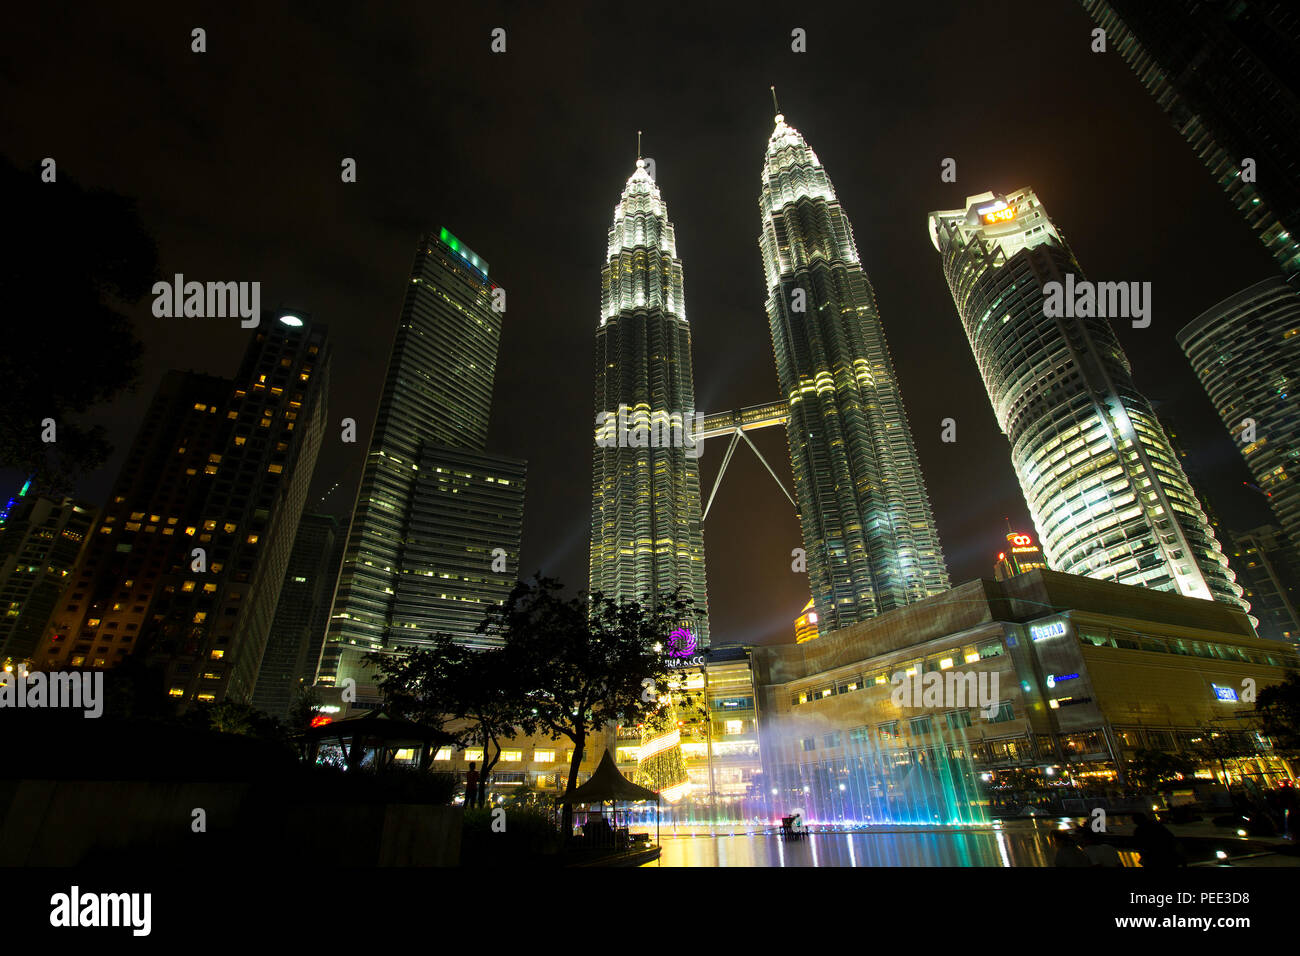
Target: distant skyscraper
210, 630
1246, 352
1105, 488
301, 615
646, 534
1267, 568
1020, 556
186, 565
437, 393
805, 625
1224, 71
41, 540
870, 536
149, 526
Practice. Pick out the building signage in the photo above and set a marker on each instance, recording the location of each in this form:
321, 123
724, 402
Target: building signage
681, 643
1041, 632
678, 662
1224, 693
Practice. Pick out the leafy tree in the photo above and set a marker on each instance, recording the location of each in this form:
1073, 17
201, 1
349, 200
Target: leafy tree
585, 661
1278, 707
306, 706
1150, 768
78, 252
420, 685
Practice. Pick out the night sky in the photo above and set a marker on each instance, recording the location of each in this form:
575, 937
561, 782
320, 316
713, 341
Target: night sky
234, 158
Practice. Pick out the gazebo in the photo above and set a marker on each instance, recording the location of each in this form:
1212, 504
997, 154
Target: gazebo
371, 732
607, 785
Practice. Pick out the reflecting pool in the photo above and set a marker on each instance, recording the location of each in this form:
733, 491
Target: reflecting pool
1012, 844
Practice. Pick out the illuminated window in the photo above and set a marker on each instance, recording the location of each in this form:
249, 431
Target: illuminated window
218, 654
735, 726
209, 588
275, 469
512, 756
473, 755
200, 617
443, 754
176, 692
544, 756
240, 440
252, 539
228, 527
206, 697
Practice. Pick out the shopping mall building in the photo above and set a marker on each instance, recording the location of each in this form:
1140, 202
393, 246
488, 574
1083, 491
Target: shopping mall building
1045, 678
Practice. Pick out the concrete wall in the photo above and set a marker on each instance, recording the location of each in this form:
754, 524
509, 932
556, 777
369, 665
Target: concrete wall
74, 822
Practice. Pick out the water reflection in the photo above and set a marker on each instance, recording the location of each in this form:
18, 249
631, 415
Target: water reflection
1026, 844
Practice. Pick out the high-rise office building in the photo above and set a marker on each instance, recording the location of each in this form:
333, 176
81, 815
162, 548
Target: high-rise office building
301, 615
1020, 556
1104, 487
1246, 352
646, 532
186, 565
460, 551
870, 536
1223, 71
1266, 567
437, 394
41, 540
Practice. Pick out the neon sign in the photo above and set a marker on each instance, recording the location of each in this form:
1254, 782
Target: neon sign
999, 215
1041, 632
681, 643
1224, 693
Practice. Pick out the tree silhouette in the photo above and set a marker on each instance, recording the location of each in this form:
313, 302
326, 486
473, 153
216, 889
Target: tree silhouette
74, 254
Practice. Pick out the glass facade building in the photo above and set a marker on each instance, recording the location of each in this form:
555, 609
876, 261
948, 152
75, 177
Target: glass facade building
646, 527
1107, 494
1246, 352
1223, 71
437, 392
301, 615
870, 536
460, 550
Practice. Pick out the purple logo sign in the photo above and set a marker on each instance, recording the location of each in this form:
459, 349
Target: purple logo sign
681, 643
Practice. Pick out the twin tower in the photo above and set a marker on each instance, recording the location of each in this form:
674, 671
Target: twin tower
868, 528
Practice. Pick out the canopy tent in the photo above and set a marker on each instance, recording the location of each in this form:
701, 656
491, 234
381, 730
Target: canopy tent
608, 785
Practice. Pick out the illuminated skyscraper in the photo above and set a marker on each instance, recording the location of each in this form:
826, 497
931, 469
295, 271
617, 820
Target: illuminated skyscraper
1224, 73
42, 539
433, 413
1021, 556
646, 534
868, 530
1105, 488
1246, 352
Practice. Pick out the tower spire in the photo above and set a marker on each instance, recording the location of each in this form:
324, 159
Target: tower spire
638, 144
775, 106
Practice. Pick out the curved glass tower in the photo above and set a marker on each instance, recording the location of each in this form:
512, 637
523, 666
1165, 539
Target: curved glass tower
1246, 352
868, 530
646, 532
1105, 488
